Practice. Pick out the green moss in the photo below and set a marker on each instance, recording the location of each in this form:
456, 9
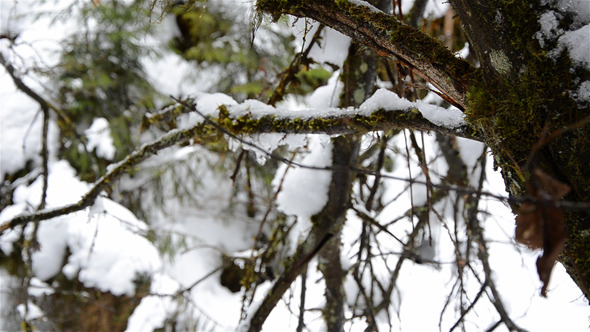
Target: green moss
514, 114
411, 41
527, 97
529, 120
276, 8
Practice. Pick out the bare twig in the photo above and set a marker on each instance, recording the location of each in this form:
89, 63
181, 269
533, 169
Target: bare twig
478, 238
301, 322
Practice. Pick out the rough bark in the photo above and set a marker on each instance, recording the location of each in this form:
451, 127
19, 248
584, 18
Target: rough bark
331, 268
388, 37
529, 119
329, 257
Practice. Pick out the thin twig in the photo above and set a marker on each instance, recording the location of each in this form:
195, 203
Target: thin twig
477, 232
301, 322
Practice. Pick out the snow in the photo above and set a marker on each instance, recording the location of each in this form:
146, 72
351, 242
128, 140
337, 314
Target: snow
365, 4
36, 46
107, 243
305, 191
99, 138
327, 96
332, 48
29, 312
153, 310
382, 99
105, 250
39, 288
389, 100
464, 52
10, 236
582, 95
581, 9
106, 255
578, 44
207, 105
436, 8
17, 146
549, 27
575, 40
264, 144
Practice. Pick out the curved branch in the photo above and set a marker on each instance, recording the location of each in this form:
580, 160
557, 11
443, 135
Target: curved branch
389, 37
44, 103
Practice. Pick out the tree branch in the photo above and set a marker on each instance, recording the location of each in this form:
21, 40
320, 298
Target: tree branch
387, 36
477, 234
339, 124
326, 223
107, 180
245, 125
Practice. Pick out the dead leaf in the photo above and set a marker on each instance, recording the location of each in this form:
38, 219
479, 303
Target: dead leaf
540, 224
529, 228
555, 188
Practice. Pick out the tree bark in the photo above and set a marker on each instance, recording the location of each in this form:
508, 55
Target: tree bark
537, 124
388, 37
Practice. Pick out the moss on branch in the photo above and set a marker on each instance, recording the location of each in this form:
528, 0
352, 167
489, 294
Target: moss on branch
380, 120
388, 37
209, 131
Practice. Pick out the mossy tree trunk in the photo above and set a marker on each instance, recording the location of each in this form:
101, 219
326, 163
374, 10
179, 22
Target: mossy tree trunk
523, 104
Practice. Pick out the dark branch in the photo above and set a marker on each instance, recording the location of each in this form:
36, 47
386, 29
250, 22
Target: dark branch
389, 37
325, 224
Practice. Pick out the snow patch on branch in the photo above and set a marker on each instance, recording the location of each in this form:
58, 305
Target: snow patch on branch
577, 43
365, 4
30, 312
575, 38
382, 99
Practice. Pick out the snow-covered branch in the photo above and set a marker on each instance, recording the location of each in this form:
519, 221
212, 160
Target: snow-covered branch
382, 112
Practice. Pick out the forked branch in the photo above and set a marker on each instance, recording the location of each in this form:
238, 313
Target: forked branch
387, 36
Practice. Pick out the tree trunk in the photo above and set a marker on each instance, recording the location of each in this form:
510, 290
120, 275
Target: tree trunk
523, 105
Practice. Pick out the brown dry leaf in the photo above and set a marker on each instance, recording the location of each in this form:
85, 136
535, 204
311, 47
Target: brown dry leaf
529, 228
550, 185
540, 224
